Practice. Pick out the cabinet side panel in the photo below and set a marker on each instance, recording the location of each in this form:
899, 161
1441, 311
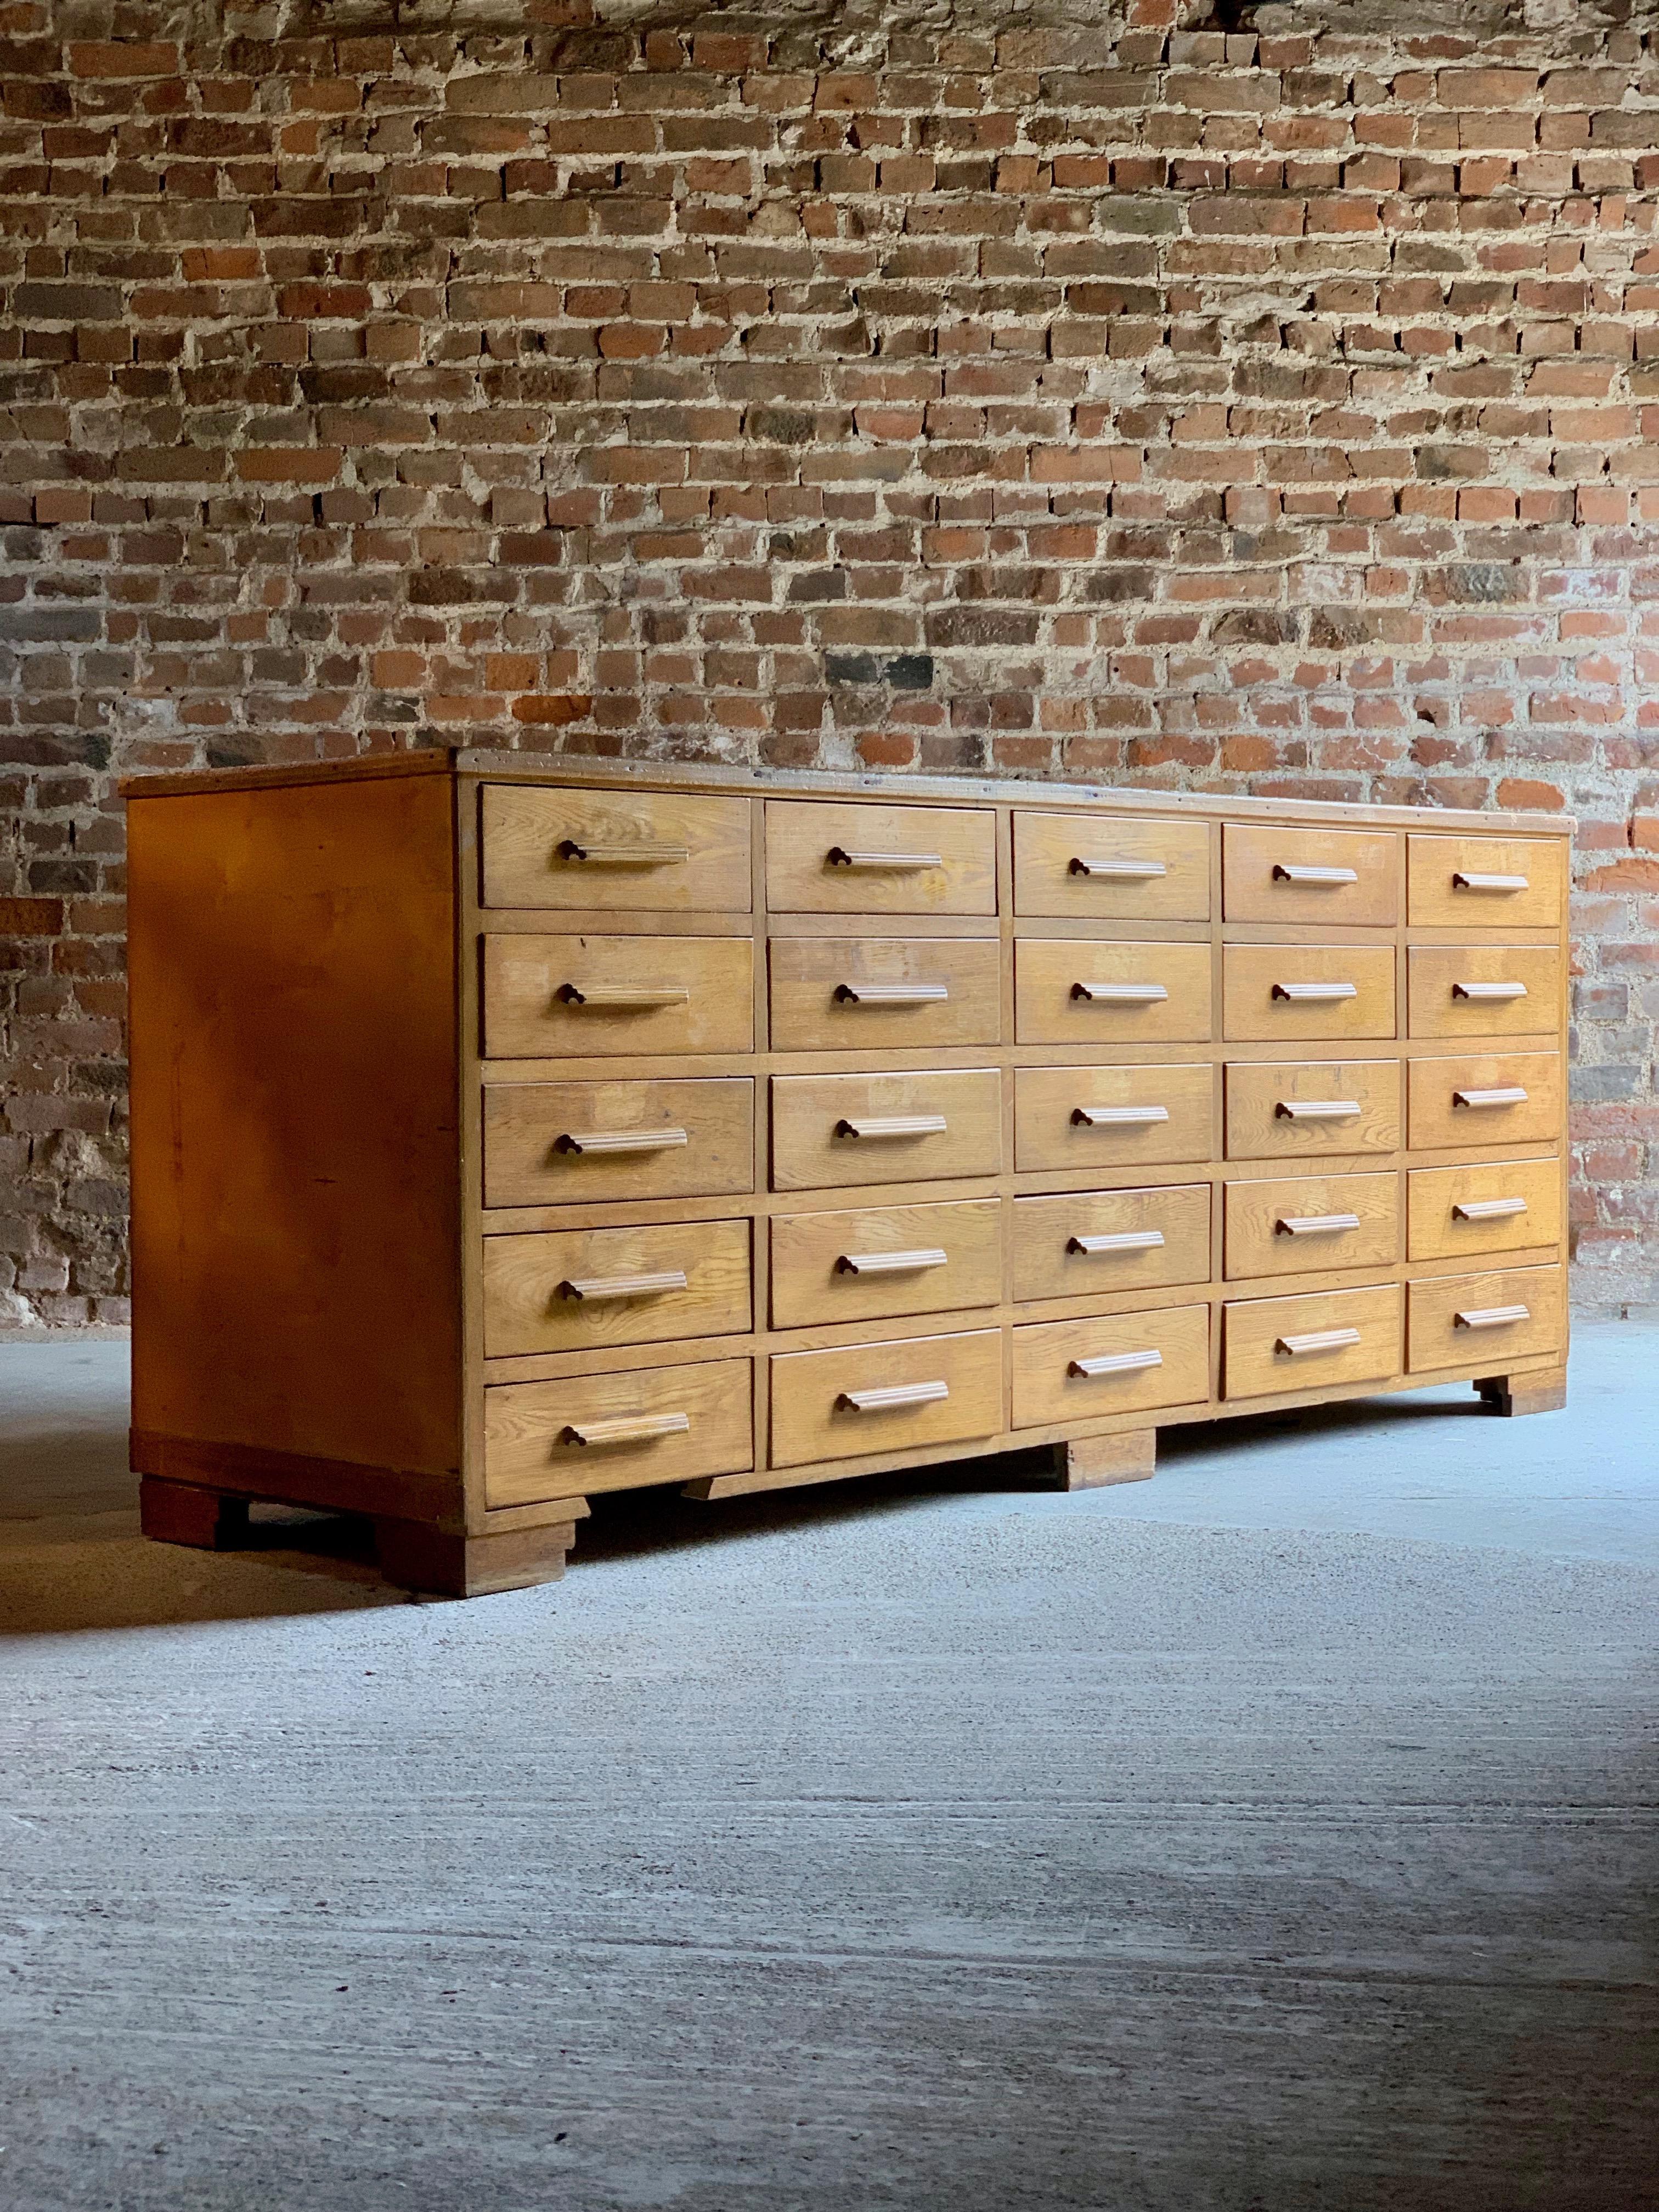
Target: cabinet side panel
296, 1230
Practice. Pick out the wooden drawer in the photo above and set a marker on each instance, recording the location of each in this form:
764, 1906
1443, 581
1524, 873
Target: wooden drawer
594, 1432
1101, 1120
1096, 1243
1080, 991
1485, 1321
1484, 1100
1085, 1370
865, 1264
1483, 990
1304, 992
557, 1143
615, 851
884, 994
828, 1130
1298, 1110
898, 1397
1118, 868
1486, 882
1496, 1207
1322, 1341
583, 998
578, 1290
1349, 877
868, 857
1305, 1224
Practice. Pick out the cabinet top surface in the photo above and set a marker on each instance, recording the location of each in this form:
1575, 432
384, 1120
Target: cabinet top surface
494, 766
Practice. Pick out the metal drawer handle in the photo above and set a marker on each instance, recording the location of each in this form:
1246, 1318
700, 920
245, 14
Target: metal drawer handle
839, 857
1513, 1094
1465, 879
1317, 1109
1125, 1239
1121, 995
636, 996
892, 995
895, 1394
1320, 1339
620, 1140
1292, 872
891, 1263
1124, 870
1489, 991
1315, 995
1487, 1209
1118, 1117
1115, 1363
894, 1125
1491, 1317
624, 856
1315, 1224
623, 1286
631, 1429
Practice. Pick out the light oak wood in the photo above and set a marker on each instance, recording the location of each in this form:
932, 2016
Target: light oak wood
1485, 1320
868, 1262
698, 1135
1320, 1341
1099, 1243
1090, 1120
534, 1431
184, 1513
1306, 1225
1097, 1462
1300, 1109
1486, 882
829, 1404
1484, 1101
881, 994
1326, 879
620, 849
578, 998
1450, 984
835, 1130
1289, 993
1087, 993
1537, 1392
597, 1287
1514, 1206
1103, 867
446, 1564
1119, 1364
867, 858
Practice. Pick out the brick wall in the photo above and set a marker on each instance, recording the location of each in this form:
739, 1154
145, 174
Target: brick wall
1269, 408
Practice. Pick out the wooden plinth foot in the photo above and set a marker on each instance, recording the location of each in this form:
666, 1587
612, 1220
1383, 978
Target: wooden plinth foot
180, 1513
430, 1559
1091, 1462
1545, 1391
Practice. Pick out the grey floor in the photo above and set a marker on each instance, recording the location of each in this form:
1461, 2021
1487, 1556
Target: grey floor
1277, 1834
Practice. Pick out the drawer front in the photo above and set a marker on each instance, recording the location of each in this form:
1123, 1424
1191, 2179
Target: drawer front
1100, 1120
886, 1397
1485, 990
568, 1144
1304, 1225
1078, 865
824, 858
594, 1432
1348, 877
1079, 991
1084, 1370
1497, 1208
580, 997
1485, 1320
1486, 882
868, 1263
1329, 1338
615, 851
1485, 1100
881, 994
1096, 1243
829, 1130
1304, 992
589, 1288
1298, 1110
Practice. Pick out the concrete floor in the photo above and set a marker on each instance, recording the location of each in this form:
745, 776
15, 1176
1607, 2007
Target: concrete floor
1277, 1834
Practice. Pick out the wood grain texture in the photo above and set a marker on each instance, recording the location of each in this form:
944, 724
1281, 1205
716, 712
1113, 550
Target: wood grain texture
526, 1162
1255, 975
1050, 1263
1437, 1338
1259, 1091
1435, 1088
1099, 1462
1435, 971
1053, 975
1256, 1364
1049, 1385
1258, 1243
527, 830
812, 1419
1255, 889
815, 1006
529, 1305
531, 1451
1052, 1132
802, 878
813, 1146
1055, 853
549, 997
811, 1284
1436, 900
1436, 1230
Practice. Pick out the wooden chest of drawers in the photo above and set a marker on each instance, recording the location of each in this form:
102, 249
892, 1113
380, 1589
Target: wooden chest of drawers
507, 1134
